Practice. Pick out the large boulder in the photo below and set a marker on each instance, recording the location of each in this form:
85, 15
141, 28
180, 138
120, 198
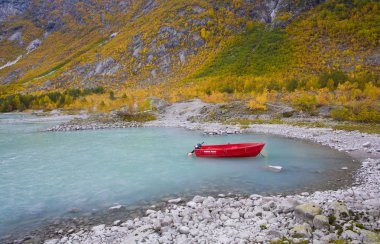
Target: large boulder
307, 211
321, 222
369, 236
287, 205
301, 231
340, 209
350, 235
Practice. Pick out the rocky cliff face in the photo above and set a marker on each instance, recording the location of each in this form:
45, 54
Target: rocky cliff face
10, 8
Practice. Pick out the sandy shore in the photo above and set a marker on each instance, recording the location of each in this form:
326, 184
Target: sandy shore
351, 214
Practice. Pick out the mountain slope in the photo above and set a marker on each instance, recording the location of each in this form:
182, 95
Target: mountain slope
189, 48
152, 37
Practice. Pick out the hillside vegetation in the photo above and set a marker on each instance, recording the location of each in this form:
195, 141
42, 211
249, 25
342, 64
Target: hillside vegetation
304, 53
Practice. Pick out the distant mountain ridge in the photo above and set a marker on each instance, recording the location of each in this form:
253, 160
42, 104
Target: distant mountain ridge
48, 45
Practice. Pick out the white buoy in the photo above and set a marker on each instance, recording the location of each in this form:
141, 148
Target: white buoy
190, 154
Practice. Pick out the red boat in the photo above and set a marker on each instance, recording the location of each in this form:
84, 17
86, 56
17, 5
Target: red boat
229, 150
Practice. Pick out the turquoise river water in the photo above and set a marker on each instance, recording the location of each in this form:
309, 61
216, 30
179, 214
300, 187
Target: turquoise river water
44, 174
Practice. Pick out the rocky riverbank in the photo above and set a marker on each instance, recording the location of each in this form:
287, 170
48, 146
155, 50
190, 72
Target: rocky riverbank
351, 214
321, 217
95, 122
93, 126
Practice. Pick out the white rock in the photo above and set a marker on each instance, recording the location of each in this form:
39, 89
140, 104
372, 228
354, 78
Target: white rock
98, 230
301, 231
156, 224
244, 235
191, 204
287, 205
367, 144
194, 232
117, 222
340, 209
175, 200
52, 241
350, 235
372, 203
149, 211
116, 208
198, 199
307, 211
235, 215
321, 222
184, 230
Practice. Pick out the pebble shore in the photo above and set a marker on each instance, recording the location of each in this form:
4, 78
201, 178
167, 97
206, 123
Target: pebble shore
93, 126
351, 214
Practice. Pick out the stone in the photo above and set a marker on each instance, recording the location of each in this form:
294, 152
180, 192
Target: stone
184, 230
128, 224
300, 231
367, 144
166, 221
194, 232
117, 222
198, 199
116, 208
33, 45
244, 235
369, 236
98, 230
208, 202
206, 213
235, 215
197, 9
52, 241
340, 209
197, 40
156, 224
321, 222
350, 235
17, 36
175, 200
182, 56
307, 211
372, 203
287, 205
275, 233
74, 210
191, 204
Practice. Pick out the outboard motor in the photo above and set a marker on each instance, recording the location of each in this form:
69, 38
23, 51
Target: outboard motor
198, 146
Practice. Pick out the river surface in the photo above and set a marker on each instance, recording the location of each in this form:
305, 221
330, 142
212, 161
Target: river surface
45, 174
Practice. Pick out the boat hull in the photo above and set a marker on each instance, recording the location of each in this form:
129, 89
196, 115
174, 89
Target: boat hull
230, 150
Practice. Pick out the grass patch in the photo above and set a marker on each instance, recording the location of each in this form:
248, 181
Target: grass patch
360, 226
263, 227
258, 51
247, 122
136, 117
66, 61
367, 128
